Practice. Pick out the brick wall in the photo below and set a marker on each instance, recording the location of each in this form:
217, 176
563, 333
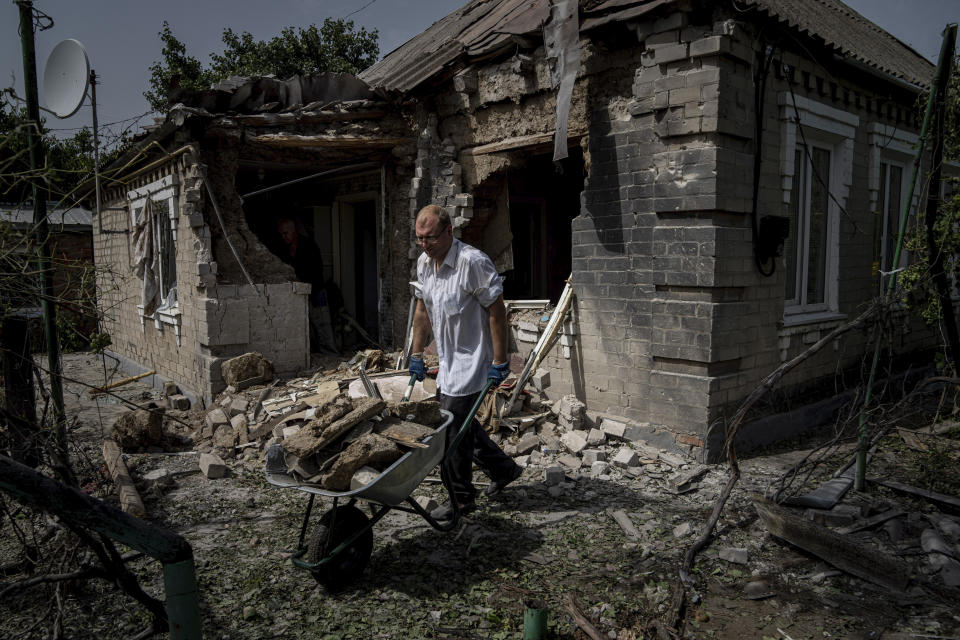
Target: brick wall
212, 321
675, 325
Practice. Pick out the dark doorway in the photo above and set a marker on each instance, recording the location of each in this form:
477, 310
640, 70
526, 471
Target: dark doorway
544, 199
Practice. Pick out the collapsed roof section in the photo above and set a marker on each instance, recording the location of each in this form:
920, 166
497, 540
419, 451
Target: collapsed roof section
484, 28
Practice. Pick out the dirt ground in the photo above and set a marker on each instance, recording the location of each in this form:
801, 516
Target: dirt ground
533, 542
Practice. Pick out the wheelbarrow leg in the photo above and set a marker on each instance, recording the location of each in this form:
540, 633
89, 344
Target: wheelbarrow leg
306, 521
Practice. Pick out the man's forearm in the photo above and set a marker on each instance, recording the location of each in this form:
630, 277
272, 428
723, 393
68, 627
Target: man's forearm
498, 330
421, 328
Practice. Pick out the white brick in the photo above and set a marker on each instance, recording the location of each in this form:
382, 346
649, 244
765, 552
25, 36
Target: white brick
626, 457
212, 466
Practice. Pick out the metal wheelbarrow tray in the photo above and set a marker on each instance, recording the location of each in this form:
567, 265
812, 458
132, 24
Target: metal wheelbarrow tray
341, 544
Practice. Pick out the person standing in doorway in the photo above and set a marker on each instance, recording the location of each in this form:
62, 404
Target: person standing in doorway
461, 301
303, 254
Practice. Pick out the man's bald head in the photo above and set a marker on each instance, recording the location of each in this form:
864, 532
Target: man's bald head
443, 218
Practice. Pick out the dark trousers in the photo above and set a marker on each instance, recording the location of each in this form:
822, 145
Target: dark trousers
476, 446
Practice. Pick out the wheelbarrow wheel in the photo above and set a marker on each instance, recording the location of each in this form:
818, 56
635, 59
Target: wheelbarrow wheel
347, 565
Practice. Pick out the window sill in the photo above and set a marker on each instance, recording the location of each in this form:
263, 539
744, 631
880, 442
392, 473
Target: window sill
809, 320
170, 316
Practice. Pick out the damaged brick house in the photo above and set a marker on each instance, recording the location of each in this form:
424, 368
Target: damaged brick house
657, 203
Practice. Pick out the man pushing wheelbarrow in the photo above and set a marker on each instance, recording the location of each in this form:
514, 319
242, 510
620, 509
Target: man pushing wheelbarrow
461, 300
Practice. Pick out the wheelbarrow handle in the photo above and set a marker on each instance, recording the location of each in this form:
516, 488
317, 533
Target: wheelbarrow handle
409, 391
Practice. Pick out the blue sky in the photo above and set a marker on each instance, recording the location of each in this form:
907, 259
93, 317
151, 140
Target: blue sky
121, 36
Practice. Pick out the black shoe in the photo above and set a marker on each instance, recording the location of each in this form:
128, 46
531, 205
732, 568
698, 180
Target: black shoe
496, 486
445, 511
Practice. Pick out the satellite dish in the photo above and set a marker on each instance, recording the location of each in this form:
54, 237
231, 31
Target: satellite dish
65, 78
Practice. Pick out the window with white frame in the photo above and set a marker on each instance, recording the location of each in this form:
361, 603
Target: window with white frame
808, 247
816, 167
891, 154
153, 214
890, 201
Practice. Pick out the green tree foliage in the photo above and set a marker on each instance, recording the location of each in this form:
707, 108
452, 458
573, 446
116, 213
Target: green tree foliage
920, 293
65, 163
334, 46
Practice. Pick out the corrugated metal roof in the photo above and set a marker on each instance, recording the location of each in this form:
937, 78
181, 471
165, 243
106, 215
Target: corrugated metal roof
841, 27
482, 27
22, 215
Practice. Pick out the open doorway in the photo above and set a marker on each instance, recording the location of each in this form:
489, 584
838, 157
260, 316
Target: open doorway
544, 197
347, 232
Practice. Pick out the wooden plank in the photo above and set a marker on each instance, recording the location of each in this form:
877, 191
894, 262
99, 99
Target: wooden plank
120, 383
130, 501
845, 554
327, 142
880, 518
519, 142
923, 493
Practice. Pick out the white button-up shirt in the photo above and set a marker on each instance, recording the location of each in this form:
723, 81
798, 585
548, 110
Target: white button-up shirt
456, 295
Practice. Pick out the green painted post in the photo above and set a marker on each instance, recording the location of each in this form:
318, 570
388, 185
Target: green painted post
534, 620
183, 610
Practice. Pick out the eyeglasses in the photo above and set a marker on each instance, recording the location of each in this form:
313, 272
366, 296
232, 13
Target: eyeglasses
432, 238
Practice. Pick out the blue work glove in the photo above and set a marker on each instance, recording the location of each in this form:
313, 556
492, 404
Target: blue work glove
498, 372
417, 367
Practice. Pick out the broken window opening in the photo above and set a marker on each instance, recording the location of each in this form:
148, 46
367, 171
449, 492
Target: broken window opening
544, 198
153, 214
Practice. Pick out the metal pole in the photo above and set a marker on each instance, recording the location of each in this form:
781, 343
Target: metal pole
96, 146
41, 230
946, 52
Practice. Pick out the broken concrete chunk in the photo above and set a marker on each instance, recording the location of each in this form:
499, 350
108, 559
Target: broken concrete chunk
289, 432
362, 477
370, 450
570, 461
737, 555
613, 428
239, 422
179, 402
540, 379
216, 417
238, 405
626, 457
158, 478
339, 415
424, 412
212, 466
599, 468
139, 429
596, 437
528, 443
170, 388
224, 437
574, 441
553, 476
250, 368
593, 455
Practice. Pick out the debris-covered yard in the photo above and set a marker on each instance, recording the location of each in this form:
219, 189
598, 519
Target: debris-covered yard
596, 528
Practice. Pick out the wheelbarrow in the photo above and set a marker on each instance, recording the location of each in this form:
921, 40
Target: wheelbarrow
340, 546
